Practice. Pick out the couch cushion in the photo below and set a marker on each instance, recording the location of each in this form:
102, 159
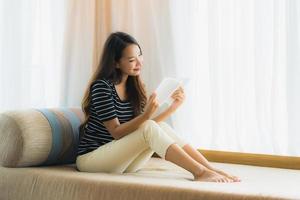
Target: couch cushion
39, 136
158, 179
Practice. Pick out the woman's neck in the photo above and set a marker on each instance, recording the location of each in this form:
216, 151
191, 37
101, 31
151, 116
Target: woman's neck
124, 80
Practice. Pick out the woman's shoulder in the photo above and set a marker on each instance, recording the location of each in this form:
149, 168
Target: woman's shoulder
102, 83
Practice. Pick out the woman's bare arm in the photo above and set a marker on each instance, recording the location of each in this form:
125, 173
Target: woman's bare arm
164, 115
118, 130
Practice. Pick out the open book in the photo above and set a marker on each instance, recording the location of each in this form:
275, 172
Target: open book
166, 88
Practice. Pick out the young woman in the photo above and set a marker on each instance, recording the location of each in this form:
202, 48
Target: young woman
119, 135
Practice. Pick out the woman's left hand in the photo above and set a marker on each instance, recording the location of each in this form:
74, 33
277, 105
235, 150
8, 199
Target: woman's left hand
179, 97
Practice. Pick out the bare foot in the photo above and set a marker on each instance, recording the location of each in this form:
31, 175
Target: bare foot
233, 178
211, 176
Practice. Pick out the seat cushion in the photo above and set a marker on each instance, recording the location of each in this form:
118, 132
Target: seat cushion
33, 137
158, 179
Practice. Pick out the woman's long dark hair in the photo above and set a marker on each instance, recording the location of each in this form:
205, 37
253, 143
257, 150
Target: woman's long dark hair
112, 53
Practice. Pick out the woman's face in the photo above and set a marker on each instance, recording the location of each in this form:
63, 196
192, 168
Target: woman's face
131, 61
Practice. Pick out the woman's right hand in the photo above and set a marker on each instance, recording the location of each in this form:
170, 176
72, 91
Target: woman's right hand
151, 106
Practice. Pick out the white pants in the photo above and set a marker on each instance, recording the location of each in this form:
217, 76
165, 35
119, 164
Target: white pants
131, 152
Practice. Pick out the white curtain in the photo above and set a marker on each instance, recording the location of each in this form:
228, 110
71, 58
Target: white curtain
46, 52
242, 58
31, 47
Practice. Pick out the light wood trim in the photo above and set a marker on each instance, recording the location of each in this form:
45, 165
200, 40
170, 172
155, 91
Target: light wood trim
288, 162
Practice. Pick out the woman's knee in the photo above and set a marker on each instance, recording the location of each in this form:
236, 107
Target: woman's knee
150, 128
148, 124
153, 125
163, 124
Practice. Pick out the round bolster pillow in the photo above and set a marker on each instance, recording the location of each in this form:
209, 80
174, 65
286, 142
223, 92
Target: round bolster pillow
36, 137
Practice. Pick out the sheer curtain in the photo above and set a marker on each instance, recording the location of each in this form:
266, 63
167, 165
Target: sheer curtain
46, 52
31, 48
242, 58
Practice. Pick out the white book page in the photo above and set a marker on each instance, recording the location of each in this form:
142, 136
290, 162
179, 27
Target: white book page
166, 88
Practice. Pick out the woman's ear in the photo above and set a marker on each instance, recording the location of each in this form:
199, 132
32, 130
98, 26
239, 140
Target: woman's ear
117, 65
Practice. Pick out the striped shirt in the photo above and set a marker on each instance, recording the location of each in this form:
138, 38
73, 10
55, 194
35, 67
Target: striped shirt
105, 105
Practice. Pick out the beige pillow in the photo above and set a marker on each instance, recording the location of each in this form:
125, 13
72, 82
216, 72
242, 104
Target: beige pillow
34, 137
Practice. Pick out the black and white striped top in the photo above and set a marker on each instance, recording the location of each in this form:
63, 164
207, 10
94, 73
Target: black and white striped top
105, 105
